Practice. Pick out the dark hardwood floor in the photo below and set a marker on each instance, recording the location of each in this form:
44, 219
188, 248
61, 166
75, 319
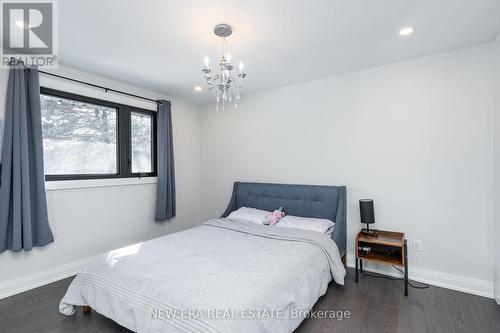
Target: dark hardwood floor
375, 305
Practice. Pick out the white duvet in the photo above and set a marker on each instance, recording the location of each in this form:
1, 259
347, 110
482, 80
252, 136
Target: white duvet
224, 276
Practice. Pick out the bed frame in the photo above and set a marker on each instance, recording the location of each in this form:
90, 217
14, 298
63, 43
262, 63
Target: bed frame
326, 202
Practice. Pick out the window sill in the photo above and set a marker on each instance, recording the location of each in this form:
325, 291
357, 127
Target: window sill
92, 183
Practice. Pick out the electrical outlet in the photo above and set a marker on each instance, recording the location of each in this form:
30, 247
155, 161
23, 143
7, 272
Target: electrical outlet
417, 245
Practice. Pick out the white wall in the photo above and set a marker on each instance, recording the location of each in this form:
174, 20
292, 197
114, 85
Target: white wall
415, 136
89, 221
497, 170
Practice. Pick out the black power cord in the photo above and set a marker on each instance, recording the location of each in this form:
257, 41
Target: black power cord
410, 283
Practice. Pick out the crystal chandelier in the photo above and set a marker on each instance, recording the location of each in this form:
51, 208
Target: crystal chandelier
225, 85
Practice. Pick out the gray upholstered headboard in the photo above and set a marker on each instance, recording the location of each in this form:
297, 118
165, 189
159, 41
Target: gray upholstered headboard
327, 202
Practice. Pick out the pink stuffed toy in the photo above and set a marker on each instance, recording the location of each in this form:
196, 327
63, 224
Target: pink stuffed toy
274, 217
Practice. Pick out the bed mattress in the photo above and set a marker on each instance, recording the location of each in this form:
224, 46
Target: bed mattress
223, 276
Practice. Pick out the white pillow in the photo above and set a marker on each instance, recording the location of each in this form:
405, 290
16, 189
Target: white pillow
249, 214
307, 223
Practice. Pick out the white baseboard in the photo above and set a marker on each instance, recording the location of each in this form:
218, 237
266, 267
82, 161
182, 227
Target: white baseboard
439, 279
435, 278
31, 281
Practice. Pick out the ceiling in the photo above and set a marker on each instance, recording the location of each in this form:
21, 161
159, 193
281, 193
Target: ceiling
160, 45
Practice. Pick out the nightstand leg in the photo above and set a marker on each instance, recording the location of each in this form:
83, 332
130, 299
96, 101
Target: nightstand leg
361, 265
406, 270
356, 270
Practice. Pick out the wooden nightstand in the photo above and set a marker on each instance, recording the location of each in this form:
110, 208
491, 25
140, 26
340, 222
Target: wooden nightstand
385, 247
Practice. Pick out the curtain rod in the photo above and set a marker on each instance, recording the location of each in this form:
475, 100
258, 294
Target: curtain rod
100, 87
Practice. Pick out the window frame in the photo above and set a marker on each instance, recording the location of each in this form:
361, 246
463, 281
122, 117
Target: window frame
123, 138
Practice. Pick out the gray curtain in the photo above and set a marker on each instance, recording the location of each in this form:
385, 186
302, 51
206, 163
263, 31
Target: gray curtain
23, 206
165, 193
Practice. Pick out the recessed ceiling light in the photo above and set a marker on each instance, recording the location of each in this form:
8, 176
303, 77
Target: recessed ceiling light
197, 88
406, 31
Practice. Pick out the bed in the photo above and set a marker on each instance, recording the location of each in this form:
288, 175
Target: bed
225, 275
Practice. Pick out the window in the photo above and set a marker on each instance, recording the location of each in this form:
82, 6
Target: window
78, 137
140, 127
86, 138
